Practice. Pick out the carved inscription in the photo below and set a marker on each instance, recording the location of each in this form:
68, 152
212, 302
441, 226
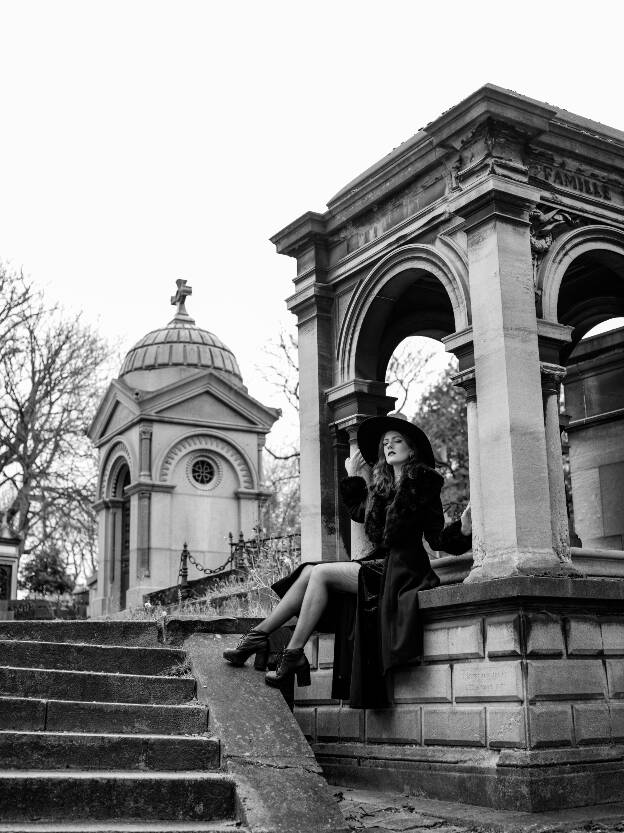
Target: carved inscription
488, 681
575, 182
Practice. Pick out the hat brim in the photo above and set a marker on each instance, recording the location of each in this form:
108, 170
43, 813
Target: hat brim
372, 430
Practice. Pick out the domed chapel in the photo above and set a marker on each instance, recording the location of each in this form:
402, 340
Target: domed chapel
180, 460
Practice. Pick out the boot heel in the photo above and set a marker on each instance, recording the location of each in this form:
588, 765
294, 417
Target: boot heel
303, 675
261, 660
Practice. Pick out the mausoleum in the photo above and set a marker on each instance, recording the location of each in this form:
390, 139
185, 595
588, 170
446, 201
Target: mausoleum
498, 229
180, 460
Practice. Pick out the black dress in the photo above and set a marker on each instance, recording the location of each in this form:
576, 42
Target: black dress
380, 628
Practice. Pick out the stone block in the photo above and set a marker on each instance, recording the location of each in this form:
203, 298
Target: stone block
396, 725
503, 636
21, 713
567, 679
325, 651
311, 651
447, 641
544, 635
550, 726
487, 681
334, 723
615, 676
583, 636
613, 638
617, 721
318, 692
592, 723
306, 718
423, 684
506, 727
454, 727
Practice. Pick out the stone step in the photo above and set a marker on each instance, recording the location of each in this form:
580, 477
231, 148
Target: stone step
80, 751
222, 826
167, 796
90, 685
125, 718
80, 657
145, 634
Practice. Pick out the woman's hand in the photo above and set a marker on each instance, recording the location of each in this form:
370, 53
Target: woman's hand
357, 466
466, 521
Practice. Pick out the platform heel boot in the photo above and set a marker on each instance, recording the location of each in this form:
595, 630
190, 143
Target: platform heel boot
253, 642
293, 661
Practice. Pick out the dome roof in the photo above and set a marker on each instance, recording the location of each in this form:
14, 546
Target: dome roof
181, 344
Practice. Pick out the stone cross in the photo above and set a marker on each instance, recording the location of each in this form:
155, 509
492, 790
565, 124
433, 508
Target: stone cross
180, 296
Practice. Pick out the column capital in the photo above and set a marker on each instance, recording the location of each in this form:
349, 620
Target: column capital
552, 375
146, 430
467, 379
495, 197
353, 401
312, 301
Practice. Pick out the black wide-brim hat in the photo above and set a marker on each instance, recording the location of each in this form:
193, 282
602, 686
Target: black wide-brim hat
372, 430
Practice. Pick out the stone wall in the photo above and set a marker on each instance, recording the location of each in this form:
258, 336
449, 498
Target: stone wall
520, 679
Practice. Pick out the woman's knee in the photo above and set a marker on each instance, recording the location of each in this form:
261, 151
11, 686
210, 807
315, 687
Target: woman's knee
304, 576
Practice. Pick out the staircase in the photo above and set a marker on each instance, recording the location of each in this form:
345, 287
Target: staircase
100, 731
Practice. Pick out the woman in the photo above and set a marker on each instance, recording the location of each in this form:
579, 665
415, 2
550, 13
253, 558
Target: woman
371, 603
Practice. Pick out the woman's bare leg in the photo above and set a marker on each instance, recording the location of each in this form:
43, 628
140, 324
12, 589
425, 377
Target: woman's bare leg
288, 606
337, 575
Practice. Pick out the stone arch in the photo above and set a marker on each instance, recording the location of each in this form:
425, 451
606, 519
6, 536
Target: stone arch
219, 444
408, 264
599, 239
117, 456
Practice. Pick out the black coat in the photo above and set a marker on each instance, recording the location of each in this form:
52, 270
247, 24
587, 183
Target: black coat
381, 628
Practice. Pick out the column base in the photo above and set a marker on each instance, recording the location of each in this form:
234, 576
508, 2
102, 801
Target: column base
516, 562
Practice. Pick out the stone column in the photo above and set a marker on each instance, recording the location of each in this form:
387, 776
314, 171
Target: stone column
144, 505
552, 376
517, 528
467, 381
145, 452
318, 525
360, 544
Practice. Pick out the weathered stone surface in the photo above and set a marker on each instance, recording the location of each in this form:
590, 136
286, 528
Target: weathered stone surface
396, 725
22, 713
81, 751
83, 685
423, 684
592, 723
70, 657
506, 727
278, 781
89, 631
306, 718
444, 641
487, 681
583, 636
318, 692
615, 676
550, 726
544, 635
566, 680
129, 718
325, 651
339, 723
52, 796
503, 636
617, 721
455, 726
613, 638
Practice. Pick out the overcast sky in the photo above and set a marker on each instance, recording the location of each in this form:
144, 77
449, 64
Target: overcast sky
146, 141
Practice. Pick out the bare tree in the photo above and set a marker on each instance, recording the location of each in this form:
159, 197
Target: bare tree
50, 383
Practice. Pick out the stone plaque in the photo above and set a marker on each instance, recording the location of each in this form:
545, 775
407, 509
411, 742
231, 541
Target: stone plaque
487, 681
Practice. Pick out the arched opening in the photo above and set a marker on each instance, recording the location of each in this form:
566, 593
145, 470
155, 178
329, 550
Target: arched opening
120, 538
591, 300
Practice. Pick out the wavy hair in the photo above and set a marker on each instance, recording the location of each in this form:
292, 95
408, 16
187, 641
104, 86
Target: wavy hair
383, 473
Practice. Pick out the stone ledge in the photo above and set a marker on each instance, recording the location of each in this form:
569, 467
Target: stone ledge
504, 592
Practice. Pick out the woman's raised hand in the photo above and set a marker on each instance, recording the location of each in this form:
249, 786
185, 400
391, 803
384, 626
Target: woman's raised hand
357, 466
466, 521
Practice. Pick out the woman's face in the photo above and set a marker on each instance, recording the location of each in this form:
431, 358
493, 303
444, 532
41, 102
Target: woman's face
395, 448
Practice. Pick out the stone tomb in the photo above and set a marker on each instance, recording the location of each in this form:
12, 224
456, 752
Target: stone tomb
498, 229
